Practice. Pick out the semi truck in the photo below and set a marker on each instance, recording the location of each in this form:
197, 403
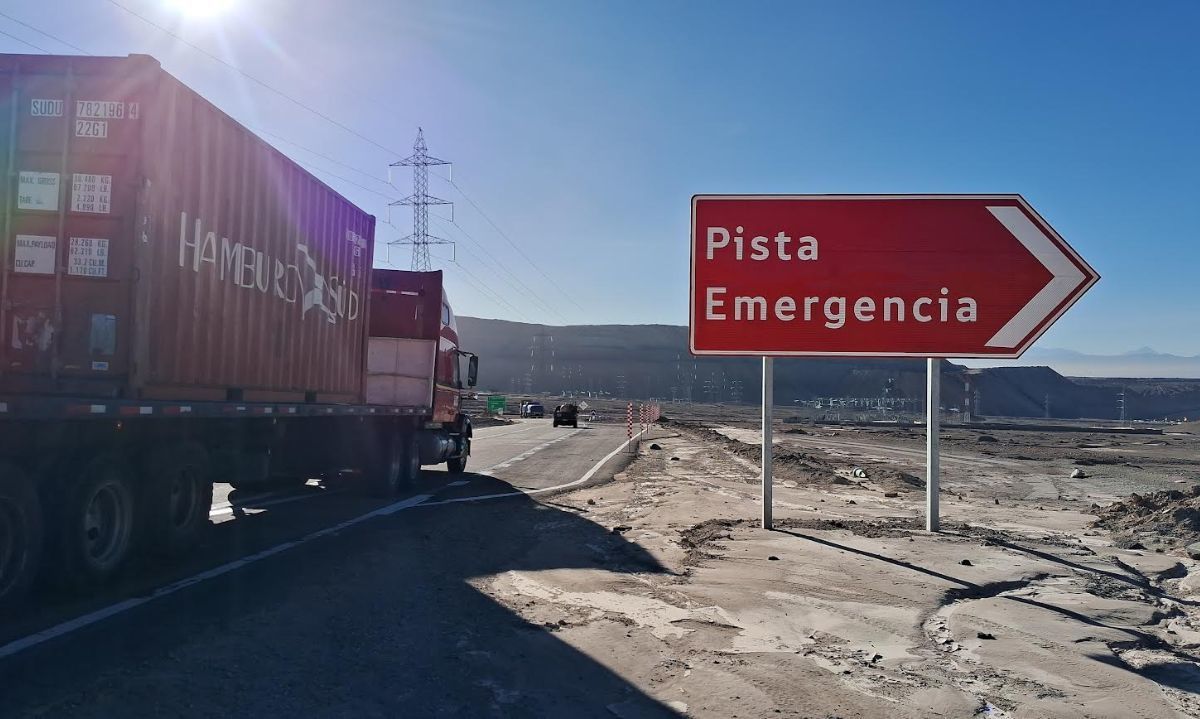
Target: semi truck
182, 304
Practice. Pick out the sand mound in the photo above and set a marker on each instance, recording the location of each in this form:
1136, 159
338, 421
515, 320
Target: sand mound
798, 465
1172, 514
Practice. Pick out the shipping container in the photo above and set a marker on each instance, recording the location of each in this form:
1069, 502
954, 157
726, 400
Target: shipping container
155, 248
181, 304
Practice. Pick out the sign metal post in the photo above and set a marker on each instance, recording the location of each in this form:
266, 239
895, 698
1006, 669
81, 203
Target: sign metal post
768, 391
932, 429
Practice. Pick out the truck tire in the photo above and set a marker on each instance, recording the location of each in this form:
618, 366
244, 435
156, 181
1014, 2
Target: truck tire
177, 497
95, 523
20, 536
394, 466
410, 468
458, 465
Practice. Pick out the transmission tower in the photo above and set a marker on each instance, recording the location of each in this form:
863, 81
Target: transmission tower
541, 362
735, 391
420, 200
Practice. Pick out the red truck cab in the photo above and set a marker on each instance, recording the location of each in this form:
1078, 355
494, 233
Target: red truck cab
414, 360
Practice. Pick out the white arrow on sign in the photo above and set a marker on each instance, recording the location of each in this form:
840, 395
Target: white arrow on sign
1066, 277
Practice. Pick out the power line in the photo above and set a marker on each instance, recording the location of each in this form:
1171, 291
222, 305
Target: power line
45, 34
497, 295
493, 294
485, 288
479, 283
267, 86
420, 200
323, 171
524, 288
507, 239
517, 292
254, 79
323, 156
25, 42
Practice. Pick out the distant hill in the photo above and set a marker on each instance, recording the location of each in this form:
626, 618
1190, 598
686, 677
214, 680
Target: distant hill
642, 361
1142, 362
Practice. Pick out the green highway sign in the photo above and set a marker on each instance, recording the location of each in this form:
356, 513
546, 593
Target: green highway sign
496, 404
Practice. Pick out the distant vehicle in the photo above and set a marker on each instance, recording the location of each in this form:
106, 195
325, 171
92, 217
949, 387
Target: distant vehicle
566, 414
533, 409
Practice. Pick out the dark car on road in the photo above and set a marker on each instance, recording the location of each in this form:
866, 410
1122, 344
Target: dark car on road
566, 414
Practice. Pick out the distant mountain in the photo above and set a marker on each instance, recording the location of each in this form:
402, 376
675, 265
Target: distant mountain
1141, 362
643, 361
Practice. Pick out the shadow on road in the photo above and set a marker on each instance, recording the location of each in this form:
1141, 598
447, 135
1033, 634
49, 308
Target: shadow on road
388, 618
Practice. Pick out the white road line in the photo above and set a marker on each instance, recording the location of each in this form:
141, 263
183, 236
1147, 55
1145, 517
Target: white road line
421, 500
587, 475
505, 434
527, 453
20, 645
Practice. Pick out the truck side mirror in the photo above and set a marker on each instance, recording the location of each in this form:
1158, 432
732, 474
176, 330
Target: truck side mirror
473, 370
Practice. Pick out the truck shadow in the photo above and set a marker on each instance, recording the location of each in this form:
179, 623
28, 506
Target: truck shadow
396, 616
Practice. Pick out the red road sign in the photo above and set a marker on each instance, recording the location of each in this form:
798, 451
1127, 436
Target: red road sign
876, 275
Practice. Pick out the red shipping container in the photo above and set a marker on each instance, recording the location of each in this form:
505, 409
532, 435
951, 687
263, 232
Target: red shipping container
155, 248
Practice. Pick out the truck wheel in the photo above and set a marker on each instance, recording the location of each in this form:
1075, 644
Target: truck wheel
458, 465
178, 497
20, 536
388, 471
410, 471
97, 523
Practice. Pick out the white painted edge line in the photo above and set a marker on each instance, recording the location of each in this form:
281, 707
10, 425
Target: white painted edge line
587, 475
19, 645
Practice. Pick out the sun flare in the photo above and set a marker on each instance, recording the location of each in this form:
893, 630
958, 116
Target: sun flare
201, 9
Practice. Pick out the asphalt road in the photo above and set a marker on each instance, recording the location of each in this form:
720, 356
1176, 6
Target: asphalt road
316, 601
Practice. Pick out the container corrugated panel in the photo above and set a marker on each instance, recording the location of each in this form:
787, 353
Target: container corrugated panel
155, 248
406, 304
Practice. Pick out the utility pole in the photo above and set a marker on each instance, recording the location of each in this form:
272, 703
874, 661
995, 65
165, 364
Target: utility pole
1121, 404
1047, 406
420, 200
967, 399
541, 362
735, 391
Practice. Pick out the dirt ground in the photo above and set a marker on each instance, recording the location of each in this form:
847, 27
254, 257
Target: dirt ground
1021, 607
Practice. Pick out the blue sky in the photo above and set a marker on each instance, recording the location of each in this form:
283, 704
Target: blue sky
582, 128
